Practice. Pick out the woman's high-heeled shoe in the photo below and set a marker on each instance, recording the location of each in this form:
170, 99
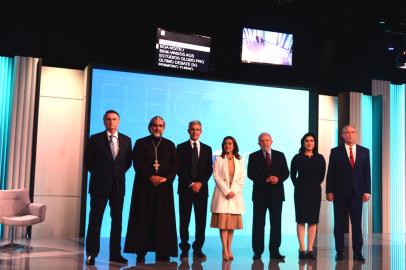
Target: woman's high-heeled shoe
231, 257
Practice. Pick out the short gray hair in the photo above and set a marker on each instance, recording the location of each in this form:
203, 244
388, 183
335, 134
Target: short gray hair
346, 126
195, 122
264, 134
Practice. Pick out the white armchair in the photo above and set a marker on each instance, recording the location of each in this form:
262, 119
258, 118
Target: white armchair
17, 210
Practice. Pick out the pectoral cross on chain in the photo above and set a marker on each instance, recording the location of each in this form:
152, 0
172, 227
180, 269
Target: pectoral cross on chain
156, 166
156, 163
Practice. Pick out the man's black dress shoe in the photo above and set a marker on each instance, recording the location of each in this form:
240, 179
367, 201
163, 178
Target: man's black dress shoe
140, 259
199, 254
118, 259
359, 257
277, 256
162, 258
339, 256
90, 260
256, 257
184, 256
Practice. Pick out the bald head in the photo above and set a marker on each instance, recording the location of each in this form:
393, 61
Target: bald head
349, 135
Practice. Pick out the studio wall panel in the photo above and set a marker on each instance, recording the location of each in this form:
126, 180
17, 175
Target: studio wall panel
382, 88
59, 156
328, 123
62, 83
62, 216
58, 172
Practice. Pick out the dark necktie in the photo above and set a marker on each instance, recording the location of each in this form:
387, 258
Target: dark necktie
195, 156
352, 161
268, 160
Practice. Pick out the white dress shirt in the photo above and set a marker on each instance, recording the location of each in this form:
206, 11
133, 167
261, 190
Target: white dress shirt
354, 151
197, 145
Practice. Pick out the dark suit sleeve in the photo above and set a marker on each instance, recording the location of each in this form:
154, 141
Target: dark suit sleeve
90, 154
209, 166
182, 173
331, 172
284, 172
322, 168
128, 155
367, 174
252, 173
293, 171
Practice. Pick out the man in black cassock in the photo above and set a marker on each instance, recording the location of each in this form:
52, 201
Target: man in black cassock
151, 224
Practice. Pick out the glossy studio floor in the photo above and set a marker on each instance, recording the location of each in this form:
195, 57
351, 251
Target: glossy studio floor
381, 251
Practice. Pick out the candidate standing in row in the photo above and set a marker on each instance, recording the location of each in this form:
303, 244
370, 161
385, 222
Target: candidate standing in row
227, 204
193, 175
307, 173
348, 186
151, 223
107, 158
267, 168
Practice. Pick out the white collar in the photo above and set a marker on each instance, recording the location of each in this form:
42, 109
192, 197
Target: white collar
115, 134
192, 142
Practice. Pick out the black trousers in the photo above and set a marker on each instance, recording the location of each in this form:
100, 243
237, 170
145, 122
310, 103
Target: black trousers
97, 207
199, 203
341, 209
258, 226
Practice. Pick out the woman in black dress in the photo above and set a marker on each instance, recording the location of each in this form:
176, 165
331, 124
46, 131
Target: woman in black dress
307, 173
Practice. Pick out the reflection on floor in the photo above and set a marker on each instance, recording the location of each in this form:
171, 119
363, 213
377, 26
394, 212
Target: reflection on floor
381, 251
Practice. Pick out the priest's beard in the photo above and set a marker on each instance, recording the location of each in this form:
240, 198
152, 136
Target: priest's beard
157, 135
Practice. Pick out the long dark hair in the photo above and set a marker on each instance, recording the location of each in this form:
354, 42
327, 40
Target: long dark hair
302, 148
235, 150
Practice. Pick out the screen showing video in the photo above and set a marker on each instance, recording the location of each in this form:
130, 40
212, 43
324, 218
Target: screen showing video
266, 47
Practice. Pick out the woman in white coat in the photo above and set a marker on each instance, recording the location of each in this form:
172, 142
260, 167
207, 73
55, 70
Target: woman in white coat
227, 203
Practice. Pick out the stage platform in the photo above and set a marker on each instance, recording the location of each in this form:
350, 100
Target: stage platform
381, 251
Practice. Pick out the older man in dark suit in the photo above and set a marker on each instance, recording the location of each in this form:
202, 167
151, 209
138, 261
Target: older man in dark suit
268, 169
194, 173
348, 186
107, 157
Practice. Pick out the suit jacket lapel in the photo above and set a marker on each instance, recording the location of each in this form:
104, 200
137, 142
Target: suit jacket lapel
201, 152
345, 155
188, 155
121, 143
262, 159
225, 160
236, 167
107, 145
357, 155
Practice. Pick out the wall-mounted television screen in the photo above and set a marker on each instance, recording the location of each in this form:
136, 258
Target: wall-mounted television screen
266, 47
182, 51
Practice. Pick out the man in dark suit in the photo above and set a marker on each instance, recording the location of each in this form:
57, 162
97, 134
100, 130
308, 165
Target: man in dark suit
348, 185
194, 172
267, 168
107, 158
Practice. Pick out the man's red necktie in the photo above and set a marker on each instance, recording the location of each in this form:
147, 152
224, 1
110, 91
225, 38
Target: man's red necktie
352, 161
268, 160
